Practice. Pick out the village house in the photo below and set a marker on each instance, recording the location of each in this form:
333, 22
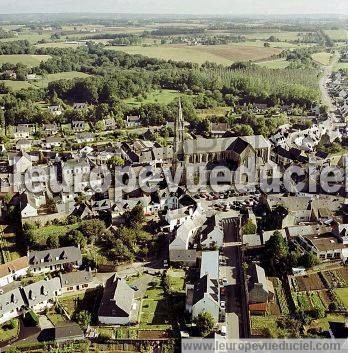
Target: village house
54, 259
260, 289
84, 137
22, 132
11, 305
325, 246
219, 129
133, 121
41, 295
117, 306
80, 106
109, 124
78, 126
179, 248
13, 270
204, 295
20, 162
50, 129
53, 141
76, 281
55, 110
24, 144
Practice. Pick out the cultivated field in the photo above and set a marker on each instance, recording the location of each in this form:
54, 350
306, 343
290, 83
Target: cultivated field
274, 64
221, 54
281, 35
26, 59
337, 34
322, 58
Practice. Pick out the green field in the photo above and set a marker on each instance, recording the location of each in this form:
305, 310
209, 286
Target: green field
162, 97
58, 45
44, 81
26, 59
220, 54
59, 76
340, 66
17, 85
322, 58
337, 34
274, 64
31, 37
8, 332
41, 234
283, 36
342, 294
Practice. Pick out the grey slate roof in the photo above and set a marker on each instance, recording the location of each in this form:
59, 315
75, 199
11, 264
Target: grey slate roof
75, 278
41, 291
206, 285
60, 256
10, 301
117, 299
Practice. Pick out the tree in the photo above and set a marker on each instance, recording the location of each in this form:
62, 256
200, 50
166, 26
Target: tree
53, 241
93, 229
277, 251
309, 260
83, 318
205, 323
135, 218
249, 227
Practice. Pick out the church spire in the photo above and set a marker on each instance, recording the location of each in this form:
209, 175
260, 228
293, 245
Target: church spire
179, 133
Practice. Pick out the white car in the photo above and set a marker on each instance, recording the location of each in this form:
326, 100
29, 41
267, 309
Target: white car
165, 263
224, 281
222, 305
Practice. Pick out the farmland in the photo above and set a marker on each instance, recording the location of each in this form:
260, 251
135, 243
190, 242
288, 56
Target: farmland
274, 64
221, 54
322, 58
25, 59
337, 34
44, 81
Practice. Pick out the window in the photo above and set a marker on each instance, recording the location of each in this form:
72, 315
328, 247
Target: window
70, 288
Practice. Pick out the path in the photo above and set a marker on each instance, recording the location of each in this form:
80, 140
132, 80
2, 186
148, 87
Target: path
323, 83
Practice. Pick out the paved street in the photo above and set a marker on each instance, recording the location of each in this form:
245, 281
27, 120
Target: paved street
233, 305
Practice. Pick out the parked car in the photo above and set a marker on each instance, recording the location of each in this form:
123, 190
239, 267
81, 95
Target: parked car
222, 305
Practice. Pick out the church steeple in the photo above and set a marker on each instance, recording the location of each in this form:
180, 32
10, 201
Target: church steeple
179, 134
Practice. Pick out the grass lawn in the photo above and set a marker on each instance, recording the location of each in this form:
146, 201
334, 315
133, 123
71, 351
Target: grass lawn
322, 58
176, 280
218, 111
16, 85
89, 301
26, 59
9, 246
165, 96
41, 234
324, 322
342, 294
157, 311
7, 332
55, 317
221, 54
340, 66
266, 326
274, 64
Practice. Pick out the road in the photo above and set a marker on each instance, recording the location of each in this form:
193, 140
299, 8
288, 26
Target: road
234, 313
323, 83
